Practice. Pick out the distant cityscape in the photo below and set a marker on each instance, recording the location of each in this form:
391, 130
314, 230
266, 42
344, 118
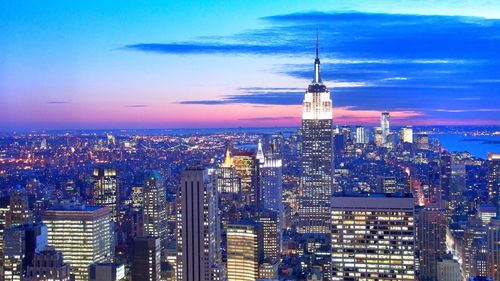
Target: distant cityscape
319, 202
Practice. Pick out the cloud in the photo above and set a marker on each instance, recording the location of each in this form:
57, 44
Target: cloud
270, 118
57, 102
442, 66
136, 105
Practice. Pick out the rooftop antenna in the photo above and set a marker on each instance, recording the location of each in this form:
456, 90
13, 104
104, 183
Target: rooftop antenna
317, 43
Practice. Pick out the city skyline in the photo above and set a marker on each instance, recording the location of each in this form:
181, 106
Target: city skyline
199, 65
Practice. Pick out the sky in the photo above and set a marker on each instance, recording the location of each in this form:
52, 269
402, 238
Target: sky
199, 64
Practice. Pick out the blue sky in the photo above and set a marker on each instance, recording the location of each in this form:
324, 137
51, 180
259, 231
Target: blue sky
155, 64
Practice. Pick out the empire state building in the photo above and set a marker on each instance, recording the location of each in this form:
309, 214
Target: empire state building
317, 157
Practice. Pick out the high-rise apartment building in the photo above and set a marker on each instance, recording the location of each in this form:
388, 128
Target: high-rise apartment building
244, 251
373, 237
105, 190
197, 234
155, 207
317, 157
83, 234
146, 258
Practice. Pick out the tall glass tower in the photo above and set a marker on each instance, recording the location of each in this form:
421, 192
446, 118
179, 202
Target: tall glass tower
317, 157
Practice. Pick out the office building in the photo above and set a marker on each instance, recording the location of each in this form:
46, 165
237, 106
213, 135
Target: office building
83, 234
19, 210
493, 248
494, 178
407, 134
155, 207
373, 237
244, 251
106, 272
485, 212
431, 238
422, 141
4, 208
271, 173
317, 157
197, 233
271, 234
388, 185
384, 125
449, 270
227, 179
378, 137
22, 242
457, 187
362, 135
48, 265
474, 234
146, 259
246, 168
105, 190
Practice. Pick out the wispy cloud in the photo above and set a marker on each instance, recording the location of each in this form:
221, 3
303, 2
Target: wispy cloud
270, 118
440, 66
136, 105
57, 102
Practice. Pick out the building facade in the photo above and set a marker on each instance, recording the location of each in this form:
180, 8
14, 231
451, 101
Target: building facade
197, 234
83, 234
373, 237
317, 157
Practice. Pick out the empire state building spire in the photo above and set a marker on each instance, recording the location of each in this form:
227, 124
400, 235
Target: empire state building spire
317, 77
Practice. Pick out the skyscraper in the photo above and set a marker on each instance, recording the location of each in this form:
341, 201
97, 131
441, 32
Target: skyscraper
384, 124
494, 178
407, 134
244, 251
146, 259
373, 237
493, 248
197, 235
271, 235
83, 234
155, 207
19, 210
445, 174
22, 242
106, 190
361, 135
227, 179
431, 238
271, 173
246, 167
317, 157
